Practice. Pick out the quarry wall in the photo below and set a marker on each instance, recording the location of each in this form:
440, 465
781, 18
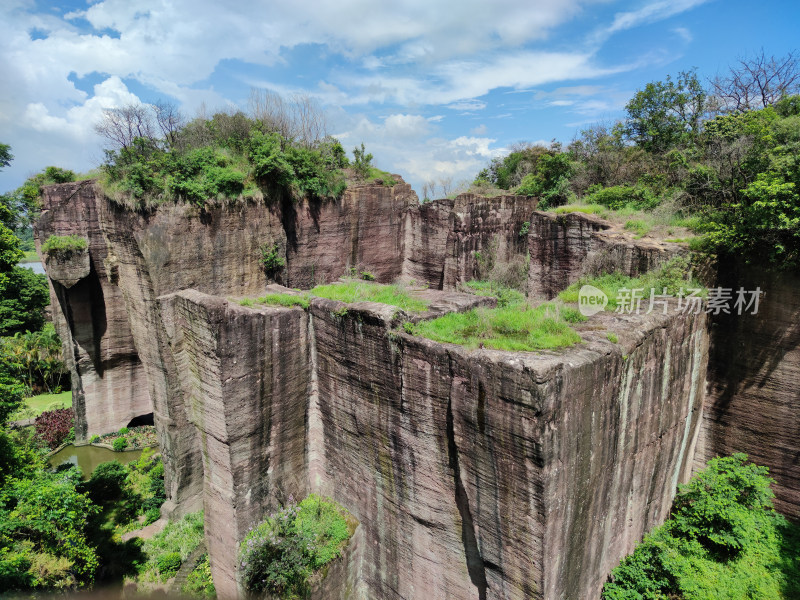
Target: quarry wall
473, 474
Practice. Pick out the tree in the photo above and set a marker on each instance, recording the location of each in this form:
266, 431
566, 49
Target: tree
5, 155
666, 113
757, 82
121, 126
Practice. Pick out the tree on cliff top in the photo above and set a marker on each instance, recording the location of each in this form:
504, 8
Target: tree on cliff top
757, 82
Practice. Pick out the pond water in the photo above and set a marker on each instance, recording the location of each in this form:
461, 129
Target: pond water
88, 457
36, 267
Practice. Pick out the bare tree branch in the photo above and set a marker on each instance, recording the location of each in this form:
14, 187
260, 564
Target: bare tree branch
757, 82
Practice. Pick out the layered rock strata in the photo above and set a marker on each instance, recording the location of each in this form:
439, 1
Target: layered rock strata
753, 393
565, 247
109, 386
473, 473
448, 241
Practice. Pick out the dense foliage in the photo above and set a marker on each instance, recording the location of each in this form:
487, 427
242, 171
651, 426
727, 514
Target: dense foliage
282, 553
723, 540
34, 358
225, 156
733, 177
55, 427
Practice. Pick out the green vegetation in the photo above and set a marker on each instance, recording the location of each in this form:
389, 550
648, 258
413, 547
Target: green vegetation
272, 258
353, 290
167, 550
281, 554
278, 300
673, 276
64, 246
723, 540
612, 337
199, 582
681, 160
36, 405
226, 156
34, 358
143, 436
517, 327
506, 296
29, 256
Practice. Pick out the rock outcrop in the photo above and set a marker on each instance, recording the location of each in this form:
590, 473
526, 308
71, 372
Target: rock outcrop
109, 386
565, 247
445, 240
474, 474
753, 395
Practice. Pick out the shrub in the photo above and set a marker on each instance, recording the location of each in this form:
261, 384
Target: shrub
723, 540
123, 430
53, 427
280, 554
367, 276
63, 246
199, 581
151, 515
94, 439
177, 538
119, 444
621, 196
168, 564
272, 259
108, 482
361, 162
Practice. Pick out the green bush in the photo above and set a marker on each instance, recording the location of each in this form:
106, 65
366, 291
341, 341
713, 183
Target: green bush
123, 430
280, 555
119, 444
108, 482
177, 538
622, 196
168, 564
94, 439
723, 540
63, 246
199, 582
272, 258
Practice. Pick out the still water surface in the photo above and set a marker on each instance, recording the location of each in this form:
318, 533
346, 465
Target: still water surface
88, 457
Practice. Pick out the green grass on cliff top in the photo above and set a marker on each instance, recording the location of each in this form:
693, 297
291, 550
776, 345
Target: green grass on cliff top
515, 327
361, 291
674, 276
277, 300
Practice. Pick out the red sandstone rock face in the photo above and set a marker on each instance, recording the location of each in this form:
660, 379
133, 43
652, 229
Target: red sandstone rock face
443, 236
565, 247
363, 230
474, 474
753, 393
108, 379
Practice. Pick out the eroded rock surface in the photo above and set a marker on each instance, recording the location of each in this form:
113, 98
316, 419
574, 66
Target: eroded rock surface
443, 237
474, 474
109, 387
565, 247
753, 393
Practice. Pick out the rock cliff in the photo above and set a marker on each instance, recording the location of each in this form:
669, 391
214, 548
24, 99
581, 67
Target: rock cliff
473, 474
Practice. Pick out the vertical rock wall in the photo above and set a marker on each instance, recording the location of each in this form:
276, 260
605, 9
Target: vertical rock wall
245, 382
753, 393
474, 474
564, 247
443, 236
109, 387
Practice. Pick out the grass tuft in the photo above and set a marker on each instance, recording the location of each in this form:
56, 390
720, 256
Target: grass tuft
518, 327
362, 291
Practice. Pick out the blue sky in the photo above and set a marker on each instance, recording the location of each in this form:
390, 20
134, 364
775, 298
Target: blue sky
433, 89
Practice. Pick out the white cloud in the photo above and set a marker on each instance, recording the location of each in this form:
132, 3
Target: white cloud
650, 13
479, 130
